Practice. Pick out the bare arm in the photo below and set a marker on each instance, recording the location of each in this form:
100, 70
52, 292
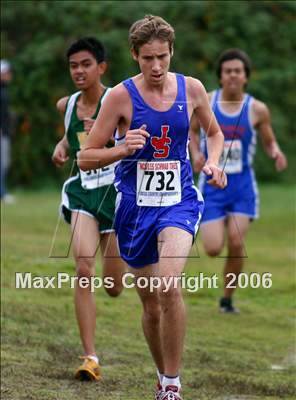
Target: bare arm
270, 145
215, 138
60, 153
94, 155
198, 159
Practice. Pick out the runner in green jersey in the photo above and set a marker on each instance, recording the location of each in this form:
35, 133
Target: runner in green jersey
88, 197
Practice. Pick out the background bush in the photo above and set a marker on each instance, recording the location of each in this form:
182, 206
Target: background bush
36, 34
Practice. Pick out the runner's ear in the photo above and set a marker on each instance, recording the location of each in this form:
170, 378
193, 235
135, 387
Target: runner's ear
102, 67
134, 54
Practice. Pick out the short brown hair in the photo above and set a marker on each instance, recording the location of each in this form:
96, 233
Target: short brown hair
234, 54
149, 28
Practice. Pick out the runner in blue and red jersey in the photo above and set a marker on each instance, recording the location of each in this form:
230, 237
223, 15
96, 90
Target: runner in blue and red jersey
228, 212
158, 209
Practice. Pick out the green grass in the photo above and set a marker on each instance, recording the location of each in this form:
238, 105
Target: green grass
226, 357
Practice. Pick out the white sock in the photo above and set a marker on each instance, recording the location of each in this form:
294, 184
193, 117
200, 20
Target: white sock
168, 381
95, 358
160, 377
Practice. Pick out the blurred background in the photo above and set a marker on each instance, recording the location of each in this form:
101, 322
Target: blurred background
252, 357
36, 34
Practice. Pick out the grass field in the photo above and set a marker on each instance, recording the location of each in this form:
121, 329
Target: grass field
250, 356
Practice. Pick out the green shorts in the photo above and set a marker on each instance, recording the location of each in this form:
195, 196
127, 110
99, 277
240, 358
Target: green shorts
98, 203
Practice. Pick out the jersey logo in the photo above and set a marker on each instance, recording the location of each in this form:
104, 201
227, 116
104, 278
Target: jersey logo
180, 107
161, 144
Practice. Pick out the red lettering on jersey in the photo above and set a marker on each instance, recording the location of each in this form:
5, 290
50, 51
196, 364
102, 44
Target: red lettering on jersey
161, 144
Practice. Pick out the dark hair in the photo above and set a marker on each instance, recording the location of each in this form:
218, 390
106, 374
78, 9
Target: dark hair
234, 54
149, 28
94, 46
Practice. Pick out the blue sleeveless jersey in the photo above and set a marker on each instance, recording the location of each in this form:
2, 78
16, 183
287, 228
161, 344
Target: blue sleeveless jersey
241, 194
168, 139
239, 134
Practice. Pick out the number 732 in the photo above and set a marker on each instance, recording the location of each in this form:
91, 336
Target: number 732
160, 180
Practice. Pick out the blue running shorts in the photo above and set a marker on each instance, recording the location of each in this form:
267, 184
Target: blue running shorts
137, 228
239, 197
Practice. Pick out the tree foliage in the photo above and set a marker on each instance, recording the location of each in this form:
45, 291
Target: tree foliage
36, 34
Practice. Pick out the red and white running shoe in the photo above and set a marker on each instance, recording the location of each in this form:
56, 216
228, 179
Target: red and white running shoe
171, 393
159, 391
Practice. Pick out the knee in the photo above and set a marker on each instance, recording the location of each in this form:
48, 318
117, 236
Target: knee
169, 297
212, 249
235, 244
114, 290
84, 267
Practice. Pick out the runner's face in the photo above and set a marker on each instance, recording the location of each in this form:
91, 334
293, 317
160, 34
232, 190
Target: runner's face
233, 76
154, 61
84, 69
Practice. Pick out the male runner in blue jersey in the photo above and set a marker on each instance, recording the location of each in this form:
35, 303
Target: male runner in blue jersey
229, 211
157, 202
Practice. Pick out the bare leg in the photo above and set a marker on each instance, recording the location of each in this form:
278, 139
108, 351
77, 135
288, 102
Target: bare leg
113, 264
212, 236
237, 227
85, 240
164, 310
175, 247
151, 315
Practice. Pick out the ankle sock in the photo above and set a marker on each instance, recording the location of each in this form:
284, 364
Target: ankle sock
94, 358
160, 377
171, 381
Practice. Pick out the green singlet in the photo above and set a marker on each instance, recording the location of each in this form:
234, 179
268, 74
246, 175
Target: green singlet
89, 192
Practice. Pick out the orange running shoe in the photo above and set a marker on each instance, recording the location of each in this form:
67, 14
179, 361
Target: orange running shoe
89, 370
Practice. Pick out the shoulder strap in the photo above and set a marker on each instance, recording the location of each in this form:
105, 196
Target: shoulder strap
248, 99
214, 99
69, 109
181, 88
107, 91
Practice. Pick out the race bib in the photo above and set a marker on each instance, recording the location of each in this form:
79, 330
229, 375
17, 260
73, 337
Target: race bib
158, 183
231, 159
96, 178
